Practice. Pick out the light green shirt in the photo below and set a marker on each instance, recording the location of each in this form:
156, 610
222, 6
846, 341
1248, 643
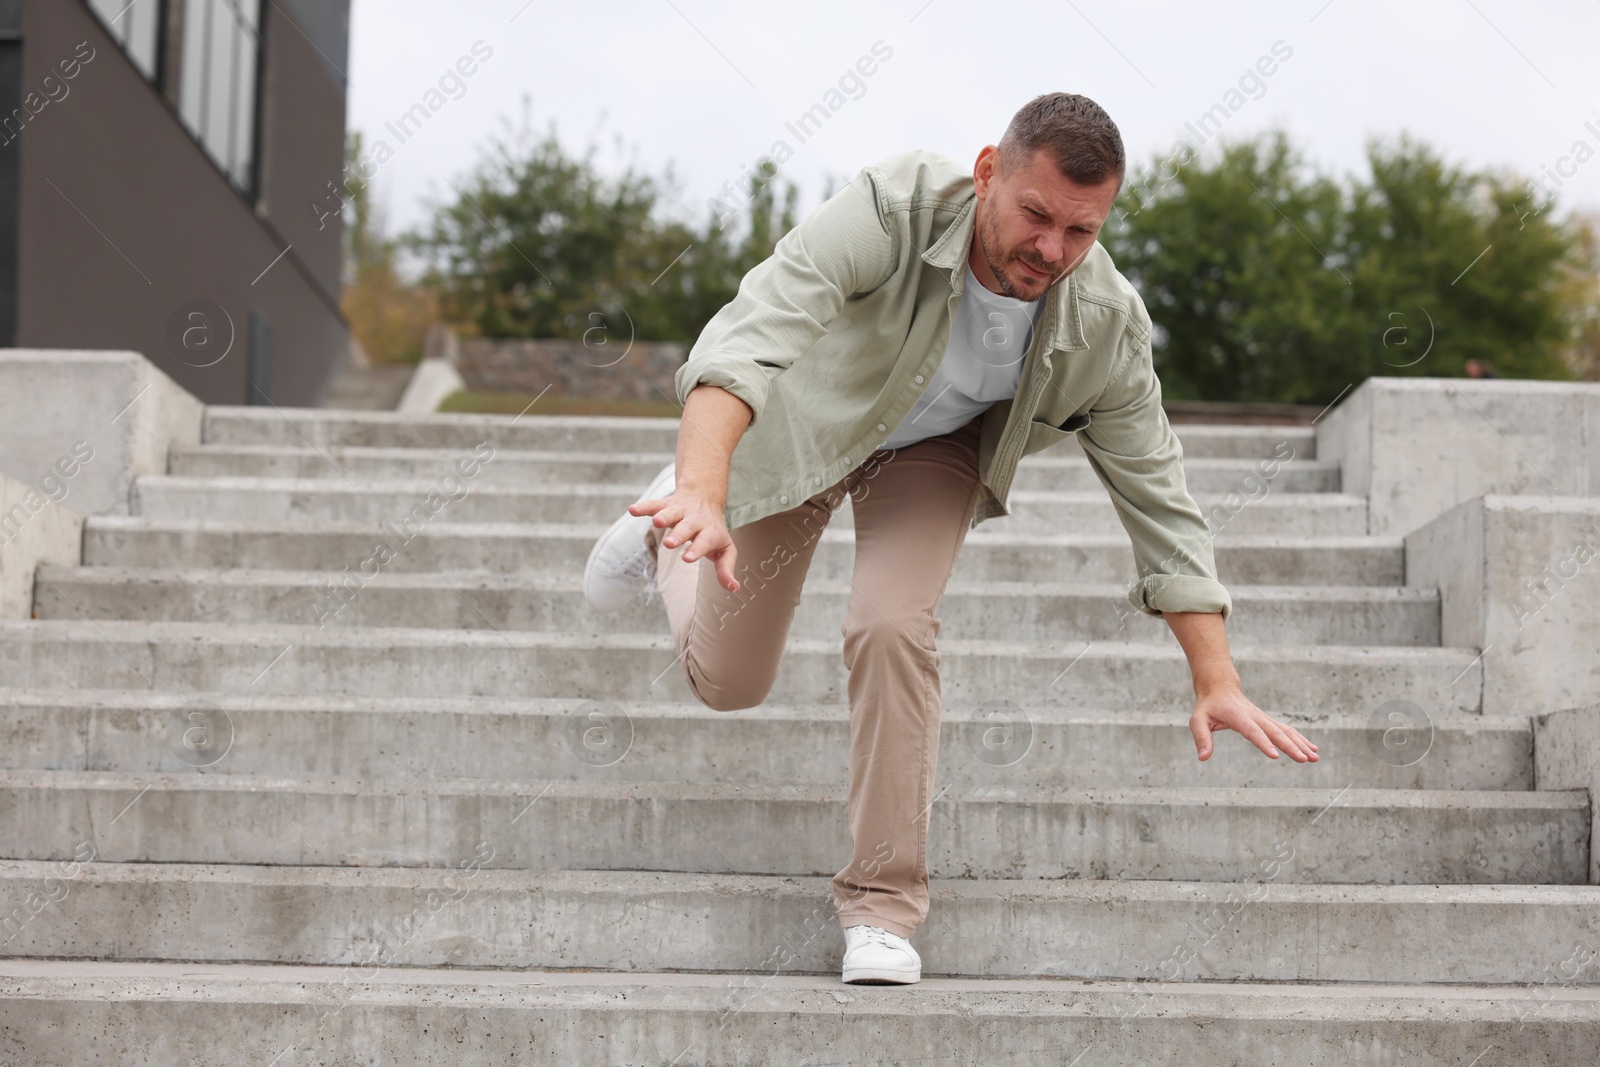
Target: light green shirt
832, 339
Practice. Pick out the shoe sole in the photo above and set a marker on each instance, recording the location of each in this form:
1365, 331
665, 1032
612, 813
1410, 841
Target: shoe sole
881, 976
650, 493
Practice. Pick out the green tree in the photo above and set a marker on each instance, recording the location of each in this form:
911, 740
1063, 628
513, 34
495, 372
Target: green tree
1238, 265
1443, 255
1580, 292
1270, 282
537, 243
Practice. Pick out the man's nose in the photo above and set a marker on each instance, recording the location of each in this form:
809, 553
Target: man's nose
1050, 248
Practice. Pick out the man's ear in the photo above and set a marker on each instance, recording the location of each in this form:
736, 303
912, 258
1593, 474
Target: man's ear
984, 168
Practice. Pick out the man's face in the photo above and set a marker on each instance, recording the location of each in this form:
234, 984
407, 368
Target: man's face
1034, 225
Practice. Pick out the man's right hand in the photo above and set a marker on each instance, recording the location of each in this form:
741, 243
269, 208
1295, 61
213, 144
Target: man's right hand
713, 421
694, 519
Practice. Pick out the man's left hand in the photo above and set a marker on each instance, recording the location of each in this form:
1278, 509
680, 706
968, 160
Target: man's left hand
1228, 708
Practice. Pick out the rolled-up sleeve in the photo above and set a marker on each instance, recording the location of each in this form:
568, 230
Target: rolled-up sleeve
1137, 457
784, 303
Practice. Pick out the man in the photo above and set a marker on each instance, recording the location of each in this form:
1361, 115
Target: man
906, 345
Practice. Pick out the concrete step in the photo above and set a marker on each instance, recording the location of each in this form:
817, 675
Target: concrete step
320, 428
1326, 836
1278, 615
141, 541
159, 1014
377, 388
635, 470
368, 737
418, 503
476, 916
396, 661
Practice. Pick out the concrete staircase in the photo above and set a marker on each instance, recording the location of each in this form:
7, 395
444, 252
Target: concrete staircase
274, 797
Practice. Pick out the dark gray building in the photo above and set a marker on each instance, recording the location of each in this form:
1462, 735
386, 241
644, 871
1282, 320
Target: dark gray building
167, 169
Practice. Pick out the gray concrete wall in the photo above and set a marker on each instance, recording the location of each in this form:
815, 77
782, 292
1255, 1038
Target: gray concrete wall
115, 413
1566, 754
1519, 578
1419, 446
613, 368
35, 528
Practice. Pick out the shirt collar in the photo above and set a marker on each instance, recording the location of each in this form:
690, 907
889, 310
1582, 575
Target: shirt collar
950, 253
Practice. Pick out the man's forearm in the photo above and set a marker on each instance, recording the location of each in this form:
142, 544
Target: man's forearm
1204, 638
713, 421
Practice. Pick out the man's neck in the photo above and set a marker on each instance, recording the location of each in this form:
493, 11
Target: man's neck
977, 260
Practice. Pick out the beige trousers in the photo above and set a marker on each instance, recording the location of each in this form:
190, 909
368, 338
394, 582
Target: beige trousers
912, 507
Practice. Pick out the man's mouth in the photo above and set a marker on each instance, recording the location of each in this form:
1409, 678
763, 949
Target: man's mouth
1032, 270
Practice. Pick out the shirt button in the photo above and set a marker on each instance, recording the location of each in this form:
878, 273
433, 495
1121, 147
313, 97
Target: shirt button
881, 426
783, 500
919, 379
816, 481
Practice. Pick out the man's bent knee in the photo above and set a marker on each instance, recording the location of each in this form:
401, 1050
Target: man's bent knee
734, 696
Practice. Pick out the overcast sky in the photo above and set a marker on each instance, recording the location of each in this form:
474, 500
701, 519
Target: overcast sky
711, 84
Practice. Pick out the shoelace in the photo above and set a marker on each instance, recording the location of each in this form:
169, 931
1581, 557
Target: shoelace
640, 564
878, 936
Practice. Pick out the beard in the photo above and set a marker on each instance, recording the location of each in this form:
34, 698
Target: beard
989, 245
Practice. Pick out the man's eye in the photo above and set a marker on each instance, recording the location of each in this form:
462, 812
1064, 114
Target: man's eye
1035, 214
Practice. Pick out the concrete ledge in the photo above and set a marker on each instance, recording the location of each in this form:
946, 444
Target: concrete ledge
35, 529
1271, 614
502, 548
1566, 753
239, 425
1388, 836
1518, 578
463, 499
1419, 446
431, 382
410, 737
156, 1015
116, 413
648, 921
279, 658
1039, 472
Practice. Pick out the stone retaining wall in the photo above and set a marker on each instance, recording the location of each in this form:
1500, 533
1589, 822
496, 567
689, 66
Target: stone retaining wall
612, 370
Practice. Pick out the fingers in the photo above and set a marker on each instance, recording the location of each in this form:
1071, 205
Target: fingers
705, 537
683, 523
1256, 726
1291, 741
646, 507
1201, 729
666, 513
724, 561
683, 530
708, 539
680, 525
1288, 739
1257, 736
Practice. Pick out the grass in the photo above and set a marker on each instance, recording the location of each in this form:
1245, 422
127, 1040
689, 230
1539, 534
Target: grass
549, 404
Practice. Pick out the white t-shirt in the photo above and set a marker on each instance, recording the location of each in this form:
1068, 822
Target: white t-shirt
989, 336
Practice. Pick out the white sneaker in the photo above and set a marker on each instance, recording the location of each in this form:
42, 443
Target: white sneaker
874, 955
621, 565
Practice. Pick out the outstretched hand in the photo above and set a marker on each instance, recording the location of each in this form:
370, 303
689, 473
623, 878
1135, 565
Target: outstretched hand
695, 520
1230, 709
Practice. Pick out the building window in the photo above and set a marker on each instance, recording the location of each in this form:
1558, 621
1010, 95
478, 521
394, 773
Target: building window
217, 86
217, 44
136, 25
